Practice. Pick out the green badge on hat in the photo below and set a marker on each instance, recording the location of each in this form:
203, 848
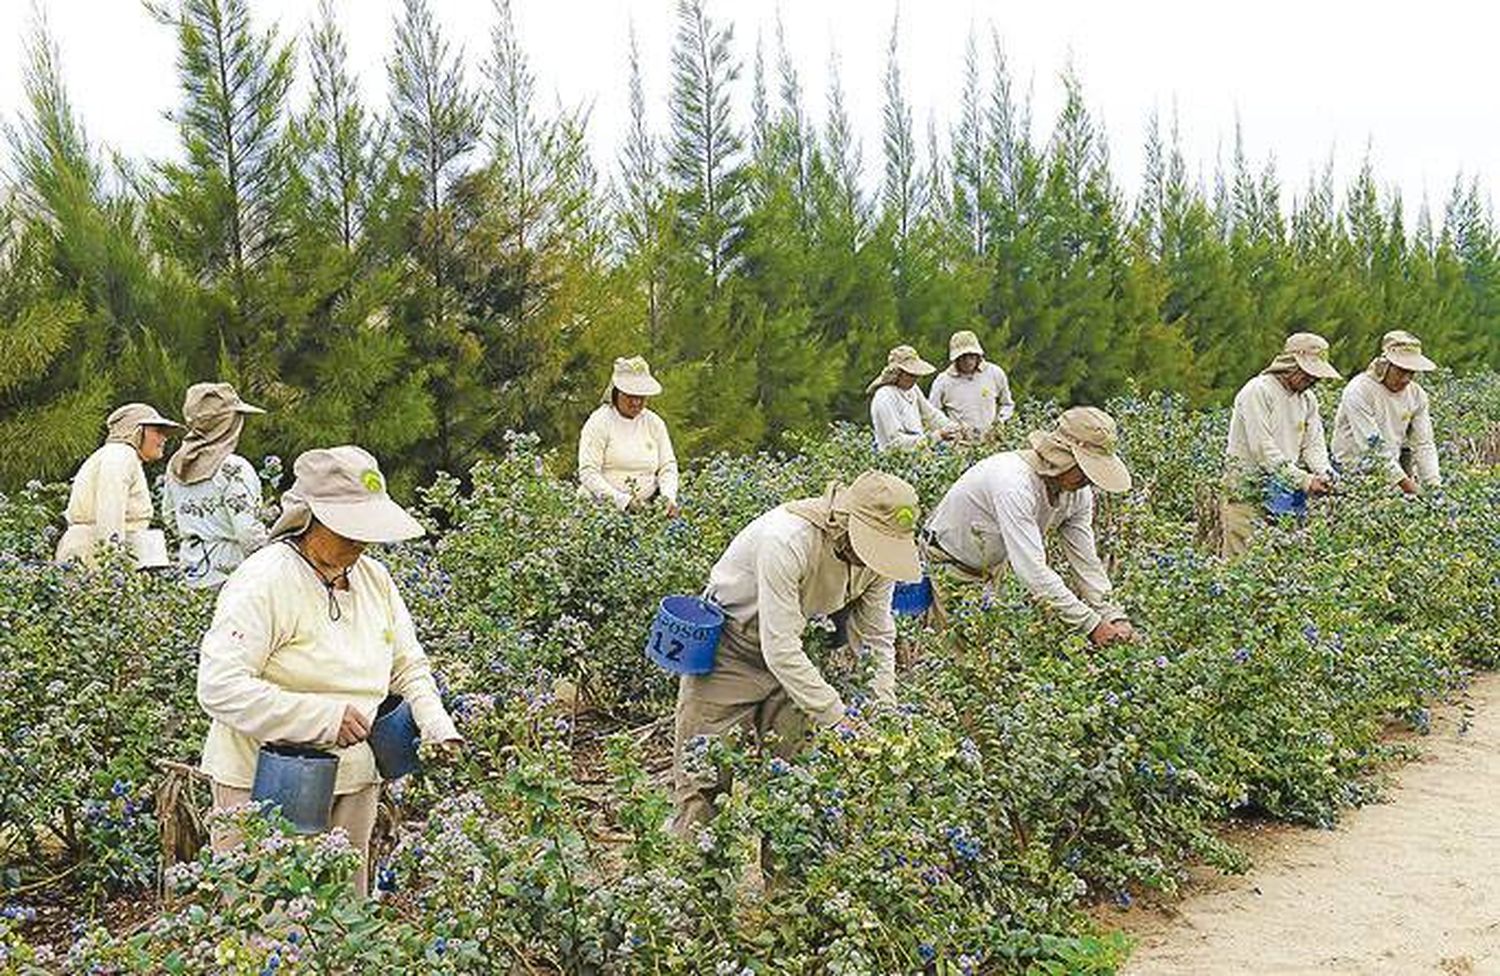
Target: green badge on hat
905, 517
372, 481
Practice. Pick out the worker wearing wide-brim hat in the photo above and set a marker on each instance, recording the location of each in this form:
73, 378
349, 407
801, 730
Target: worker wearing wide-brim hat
309, 636
110, 498
1385, 414
972, 392
899, 412
843, 550
1276, 434
625, 454
997, 514
212, 495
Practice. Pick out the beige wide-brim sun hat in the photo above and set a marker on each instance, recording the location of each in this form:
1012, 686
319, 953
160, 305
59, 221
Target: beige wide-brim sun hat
205, 401
1092, 437
1401, 348
342, 487
1308, 352
964, 343
632, 376
134, 415
883, 511
902, 359
127, 424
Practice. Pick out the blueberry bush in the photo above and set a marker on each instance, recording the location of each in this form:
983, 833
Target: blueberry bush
1024, 777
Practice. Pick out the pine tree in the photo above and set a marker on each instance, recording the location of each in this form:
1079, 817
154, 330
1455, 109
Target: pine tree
339, 369
854, 304
534, 255
902, 193
1081, 341
972, 157
844, 163
796, 131
705, 159
1011, 219
1469, 240
644, 219
436, 121
221, 211
345, 147
55, 381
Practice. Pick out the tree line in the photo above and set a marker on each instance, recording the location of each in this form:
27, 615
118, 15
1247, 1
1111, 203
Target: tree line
422, 276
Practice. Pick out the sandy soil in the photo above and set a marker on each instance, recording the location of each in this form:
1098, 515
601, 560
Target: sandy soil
1404, 887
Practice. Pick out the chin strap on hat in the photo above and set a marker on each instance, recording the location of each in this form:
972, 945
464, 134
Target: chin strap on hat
335, 612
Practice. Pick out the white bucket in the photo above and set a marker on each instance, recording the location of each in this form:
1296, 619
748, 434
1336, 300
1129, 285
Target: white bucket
149, 547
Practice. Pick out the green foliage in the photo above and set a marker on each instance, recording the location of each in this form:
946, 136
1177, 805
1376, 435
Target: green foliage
1024, 776
82, 729
281, 904
452, 265
221, 210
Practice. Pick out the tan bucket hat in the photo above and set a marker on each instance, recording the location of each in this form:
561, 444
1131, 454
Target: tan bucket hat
1400, 348
342, 487
964, 343
215, 416
133, 415
205, 401
883, 513
632, 376
1091, 436
902, 359
1308, 352
124, 424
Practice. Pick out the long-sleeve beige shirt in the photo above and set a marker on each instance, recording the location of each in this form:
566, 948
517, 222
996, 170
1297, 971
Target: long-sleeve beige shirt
904, 418
1371, 417
109, 498
1273, 431
620, 460
977, 400
778, 573
274, 666
996, 515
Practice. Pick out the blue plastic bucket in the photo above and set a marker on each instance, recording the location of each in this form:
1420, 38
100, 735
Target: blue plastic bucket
685, 635
299, 781
394, 738
1285, 501
912, 599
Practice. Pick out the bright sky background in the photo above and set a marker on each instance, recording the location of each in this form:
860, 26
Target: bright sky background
1416, 84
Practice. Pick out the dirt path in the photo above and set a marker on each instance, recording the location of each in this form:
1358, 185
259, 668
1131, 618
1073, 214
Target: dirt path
1404, 887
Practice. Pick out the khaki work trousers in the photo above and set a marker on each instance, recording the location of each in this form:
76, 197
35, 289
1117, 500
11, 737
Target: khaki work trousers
355, 812
773, 721
1237, 522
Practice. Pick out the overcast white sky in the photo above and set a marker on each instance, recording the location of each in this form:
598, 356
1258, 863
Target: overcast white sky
1418, 84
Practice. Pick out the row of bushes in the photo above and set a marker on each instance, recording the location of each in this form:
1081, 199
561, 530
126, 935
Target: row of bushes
1025, 775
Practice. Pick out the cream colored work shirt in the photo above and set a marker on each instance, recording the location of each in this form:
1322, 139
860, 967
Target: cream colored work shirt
904, 418
976, 401
109, 497
620, 460
778, 573
1274, 431
218, 520
1372, 418
996, 515
274, 668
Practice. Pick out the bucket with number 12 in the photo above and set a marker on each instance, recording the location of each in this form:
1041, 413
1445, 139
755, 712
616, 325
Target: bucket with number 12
685, 635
